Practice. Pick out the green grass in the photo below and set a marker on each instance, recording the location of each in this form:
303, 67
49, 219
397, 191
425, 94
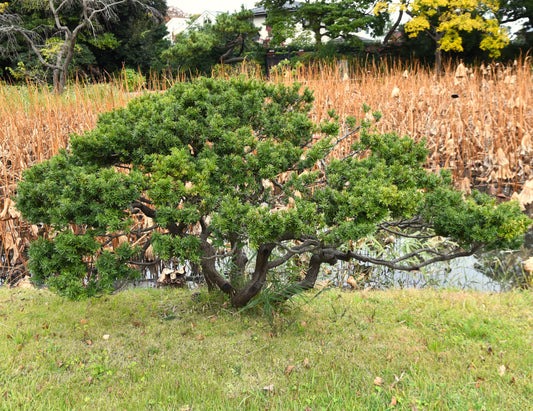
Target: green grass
169, 349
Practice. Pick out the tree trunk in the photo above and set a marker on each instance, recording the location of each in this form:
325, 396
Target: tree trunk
438, 60
238, 265
438, 53
254, 286
56, 80
325, 256
393, 28
64, 59
210, 272
318, 38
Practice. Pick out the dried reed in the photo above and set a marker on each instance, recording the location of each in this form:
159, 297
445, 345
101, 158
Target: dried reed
476, 122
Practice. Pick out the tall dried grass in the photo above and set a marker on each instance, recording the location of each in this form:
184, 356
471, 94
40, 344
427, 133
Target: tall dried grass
477, 122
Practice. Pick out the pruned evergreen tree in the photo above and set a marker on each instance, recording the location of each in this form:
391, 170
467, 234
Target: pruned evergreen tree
234, 177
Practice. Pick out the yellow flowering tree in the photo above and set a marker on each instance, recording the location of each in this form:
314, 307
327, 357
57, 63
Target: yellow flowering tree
444, 20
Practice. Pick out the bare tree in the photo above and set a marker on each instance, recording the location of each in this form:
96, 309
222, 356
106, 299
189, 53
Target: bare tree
91, 14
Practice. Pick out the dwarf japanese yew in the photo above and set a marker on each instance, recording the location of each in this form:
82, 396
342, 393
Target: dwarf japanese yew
233, 178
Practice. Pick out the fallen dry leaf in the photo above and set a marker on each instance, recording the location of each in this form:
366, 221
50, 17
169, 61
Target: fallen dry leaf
378, 381
106, 337
528, 265
289, 369
352, 282
83, 321
306, 363
269, 388
393, 402
501, 370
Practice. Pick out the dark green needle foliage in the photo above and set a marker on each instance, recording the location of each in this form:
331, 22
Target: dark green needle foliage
232, 178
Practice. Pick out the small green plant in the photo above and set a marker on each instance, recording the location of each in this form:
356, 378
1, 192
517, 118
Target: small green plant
131, 79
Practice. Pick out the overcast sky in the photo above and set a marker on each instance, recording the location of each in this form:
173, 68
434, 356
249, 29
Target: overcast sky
198, 6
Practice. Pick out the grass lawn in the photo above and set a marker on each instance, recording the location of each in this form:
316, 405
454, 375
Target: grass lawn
171, 349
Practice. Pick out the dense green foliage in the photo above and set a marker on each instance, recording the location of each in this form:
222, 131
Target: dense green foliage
518, 12
226, 40
333, 19
233, 177
139, 39
49, 41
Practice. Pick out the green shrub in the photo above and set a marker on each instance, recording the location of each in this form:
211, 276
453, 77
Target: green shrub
233, 176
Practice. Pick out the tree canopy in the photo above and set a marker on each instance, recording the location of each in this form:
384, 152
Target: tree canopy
52, 30
445, 20
224, 41
138, 33
324, 18
514, 11
233, 178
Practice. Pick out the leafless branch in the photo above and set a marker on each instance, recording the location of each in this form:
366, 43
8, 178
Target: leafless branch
306, 247
223, 254
414, 224
395, 264
406, 235
339, 140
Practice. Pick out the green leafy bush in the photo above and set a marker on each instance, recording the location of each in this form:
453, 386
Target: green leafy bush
233, 178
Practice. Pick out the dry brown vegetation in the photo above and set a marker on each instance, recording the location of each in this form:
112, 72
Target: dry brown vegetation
477, 122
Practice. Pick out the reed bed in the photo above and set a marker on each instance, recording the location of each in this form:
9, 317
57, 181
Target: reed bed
476, 122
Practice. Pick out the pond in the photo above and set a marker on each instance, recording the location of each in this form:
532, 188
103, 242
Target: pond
497, 271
